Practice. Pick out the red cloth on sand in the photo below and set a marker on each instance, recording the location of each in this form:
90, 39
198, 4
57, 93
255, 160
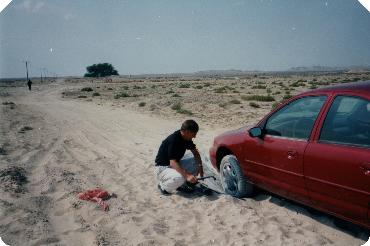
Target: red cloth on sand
96, 195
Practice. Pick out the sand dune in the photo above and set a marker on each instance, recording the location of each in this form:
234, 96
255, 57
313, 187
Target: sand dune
71, 146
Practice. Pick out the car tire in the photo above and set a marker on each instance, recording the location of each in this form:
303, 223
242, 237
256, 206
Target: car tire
233, 180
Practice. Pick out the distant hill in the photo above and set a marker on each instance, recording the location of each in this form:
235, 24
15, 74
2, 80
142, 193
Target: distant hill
228, 72
328, 69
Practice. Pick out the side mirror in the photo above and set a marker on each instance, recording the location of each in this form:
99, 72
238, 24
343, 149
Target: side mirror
255, 132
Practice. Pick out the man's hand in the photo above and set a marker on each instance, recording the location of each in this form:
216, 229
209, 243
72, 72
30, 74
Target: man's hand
200, 170
191, 178
198, 160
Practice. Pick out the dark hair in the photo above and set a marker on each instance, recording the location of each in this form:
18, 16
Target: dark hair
190, 125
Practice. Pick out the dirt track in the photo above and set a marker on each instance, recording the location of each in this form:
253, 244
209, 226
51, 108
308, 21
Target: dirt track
75, 145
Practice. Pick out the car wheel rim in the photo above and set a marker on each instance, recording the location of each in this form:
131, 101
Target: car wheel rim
230, 179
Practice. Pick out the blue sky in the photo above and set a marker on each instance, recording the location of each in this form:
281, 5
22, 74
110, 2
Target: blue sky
166, 36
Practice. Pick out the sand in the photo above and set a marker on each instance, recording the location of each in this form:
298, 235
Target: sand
53, 147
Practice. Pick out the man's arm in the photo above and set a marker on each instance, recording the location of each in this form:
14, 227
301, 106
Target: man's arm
189, 177
198, 160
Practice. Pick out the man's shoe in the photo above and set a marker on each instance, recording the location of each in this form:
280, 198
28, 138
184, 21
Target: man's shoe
186, 188
163, 191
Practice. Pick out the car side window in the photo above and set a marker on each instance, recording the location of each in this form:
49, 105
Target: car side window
296, 119
347, 122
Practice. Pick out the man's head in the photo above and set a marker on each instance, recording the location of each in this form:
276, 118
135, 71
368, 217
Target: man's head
189, 129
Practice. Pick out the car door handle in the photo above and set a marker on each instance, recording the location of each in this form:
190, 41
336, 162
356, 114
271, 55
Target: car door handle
291, 154
365, 168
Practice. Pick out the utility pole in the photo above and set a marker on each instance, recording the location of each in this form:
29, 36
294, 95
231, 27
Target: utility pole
26, 68
44, 73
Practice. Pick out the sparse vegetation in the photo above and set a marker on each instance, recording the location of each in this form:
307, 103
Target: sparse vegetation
183, 85
136, 87
261, 98
88, 89
254, 105
222, 89
178, 107
297, 84
235, 101
258, 87
122, 94
222, 105
287, 96
96, 94
223, 94
184, 111
275, 104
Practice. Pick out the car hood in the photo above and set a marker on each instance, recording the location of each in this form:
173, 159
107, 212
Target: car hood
232, 134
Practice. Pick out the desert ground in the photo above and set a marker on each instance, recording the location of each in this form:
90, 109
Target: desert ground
68, 135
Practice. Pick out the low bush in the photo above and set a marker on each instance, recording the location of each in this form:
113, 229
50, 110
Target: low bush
254, 105
122, 94
258, 87
176, 106
184, 85
88, 89
261, 98
235, 101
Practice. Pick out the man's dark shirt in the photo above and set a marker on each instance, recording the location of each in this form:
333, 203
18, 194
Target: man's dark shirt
173, 148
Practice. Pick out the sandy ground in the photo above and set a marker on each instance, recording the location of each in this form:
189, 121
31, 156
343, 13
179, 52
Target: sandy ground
54, 147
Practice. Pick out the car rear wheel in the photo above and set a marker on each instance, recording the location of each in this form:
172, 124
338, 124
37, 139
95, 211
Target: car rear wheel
233, 180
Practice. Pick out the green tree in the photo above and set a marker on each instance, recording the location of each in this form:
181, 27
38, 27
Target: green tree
100, 70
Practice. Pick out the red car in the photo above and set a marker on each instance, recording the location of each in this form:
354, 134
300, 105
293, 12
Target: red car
314, 149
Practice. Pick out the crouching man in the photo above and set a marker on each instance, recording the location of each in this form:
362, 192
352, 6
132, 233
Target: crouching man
172, 170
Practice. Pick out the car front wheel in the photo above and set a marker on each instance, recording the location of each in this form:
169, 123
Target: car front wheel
233, 180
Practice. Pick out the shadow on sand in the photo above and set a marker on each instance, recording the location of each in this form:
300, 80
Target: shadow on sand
322, 217
262, 195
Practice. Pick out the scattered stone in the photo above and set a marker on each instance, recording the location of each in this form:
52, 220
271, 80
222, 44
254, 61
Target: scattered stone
25, 128
2, 151
8, 103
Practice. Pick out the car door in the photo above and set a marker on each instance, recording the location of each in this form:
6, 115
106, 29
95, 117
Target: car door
276, 160
337, 162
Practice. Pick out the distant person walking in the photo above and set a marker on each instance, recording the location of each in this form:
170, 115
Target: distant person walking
29, 83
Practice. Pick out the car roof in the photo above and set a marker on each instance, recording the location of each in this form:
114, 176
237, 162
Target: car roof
360, 86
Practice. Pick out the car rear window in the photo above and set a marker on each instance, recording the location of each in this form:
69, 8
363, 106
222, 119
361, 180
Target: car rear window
347, 122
